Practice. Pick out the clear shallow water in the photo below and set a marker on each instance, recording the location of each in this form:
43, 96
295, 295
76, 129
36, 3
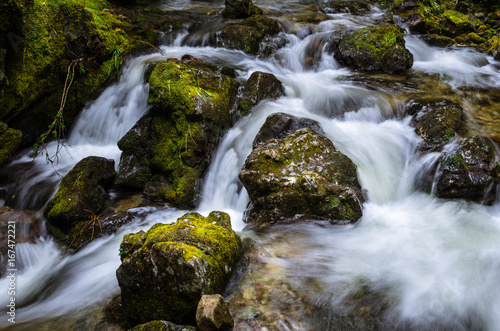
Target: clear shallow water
434, 262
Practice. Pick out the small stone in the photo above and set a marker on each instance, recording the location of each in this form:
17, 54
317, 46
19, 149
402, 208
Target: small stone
213, 314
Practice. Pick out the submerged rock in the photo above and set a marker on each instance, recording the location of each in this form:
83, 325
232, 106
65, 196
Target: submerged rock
300, 177
82, 192
166, 270
213, 314
162, 326
258, 87
377, 48
470, 172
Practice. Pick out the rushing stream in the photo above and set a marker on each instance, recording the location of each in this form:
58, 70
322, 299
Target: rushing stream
412, 262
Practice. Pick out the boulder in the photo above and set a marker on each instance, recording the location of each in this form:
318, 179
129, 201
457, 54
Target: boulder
438, 123
82, 192
240, 9
248, 35
280, 125
166, 270
168, 151
258, 87
10, 139
376, 48
470, 172
300, 177
213, 314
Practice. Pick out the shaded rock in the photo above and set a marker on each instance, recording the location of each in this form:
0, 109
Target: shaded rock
308, 17
470, 172
455, 23
258, 87
10, 139
168, 151
166, 270
248, 35
352, 7
162, 326
300, 177
438, 124
82, 192
437, 40
280, 125
240, 9
213, 314
377, 48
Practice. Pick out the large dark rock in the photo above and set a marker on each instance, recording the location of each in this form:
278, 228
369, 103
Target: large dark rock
377, 48
82, 192
166, 270
280, 125
438, 123
168, 152
10, 139
470, 172
301, 177
240, 9
249, 34
258, 87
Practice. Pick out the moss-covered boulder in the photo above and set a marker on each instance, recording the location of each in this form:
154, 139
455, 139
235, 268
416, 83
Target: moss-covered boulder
300, 177
249, 34
169, 151
166, 270
280, 125
377, 48
438, 124
82, 192
470, 172
10, 139
258, 87
240, 9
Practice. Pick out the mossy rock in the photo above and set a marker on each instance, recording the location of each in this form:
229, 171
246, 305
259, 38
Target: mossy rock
191, 110
10, 139
455, 23
378, 48
82, 192
166, 270
248, 35
162, 326
438, 124
260, 86
470, 172
300, 177
240, 9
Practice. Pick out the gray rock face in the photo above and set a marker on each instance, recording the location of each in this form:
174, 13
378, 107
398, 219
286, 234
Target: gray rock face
301, 177
258, 87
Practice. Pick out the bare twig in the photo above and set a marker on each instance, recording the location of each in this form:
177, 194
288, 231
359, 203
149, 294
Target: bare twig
145, 42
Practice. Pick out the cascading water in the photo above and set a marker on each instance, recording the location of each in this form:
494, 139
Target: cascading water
432, 263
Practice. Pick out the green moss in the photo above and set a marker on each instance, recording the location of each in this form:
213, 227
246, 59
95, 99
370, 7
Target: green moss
9, 141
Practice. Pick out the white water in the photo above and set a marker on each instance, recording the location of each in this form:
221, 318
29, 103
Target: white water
438, 261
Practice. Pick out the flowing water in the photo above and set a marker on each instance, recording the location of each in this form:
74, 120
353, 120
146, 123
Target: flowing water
411, 262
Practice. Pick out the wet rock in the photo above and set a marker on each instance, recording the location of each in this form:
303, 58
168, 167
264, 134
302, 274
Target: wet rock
438, 124
437, 40
165, 271
240, 9
82, 192
10, 139
280, 125
168, 151
470, 172
258, 87
352, 7
300, 177
248, 35
308, 17
162, 326
455, 23
378, 48
213, 314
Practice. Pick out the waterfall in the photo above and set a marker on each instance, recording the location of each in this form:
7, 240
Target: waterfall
434, 262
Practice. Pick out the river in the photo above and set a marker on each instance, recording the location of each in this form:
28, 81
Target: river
413, 261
